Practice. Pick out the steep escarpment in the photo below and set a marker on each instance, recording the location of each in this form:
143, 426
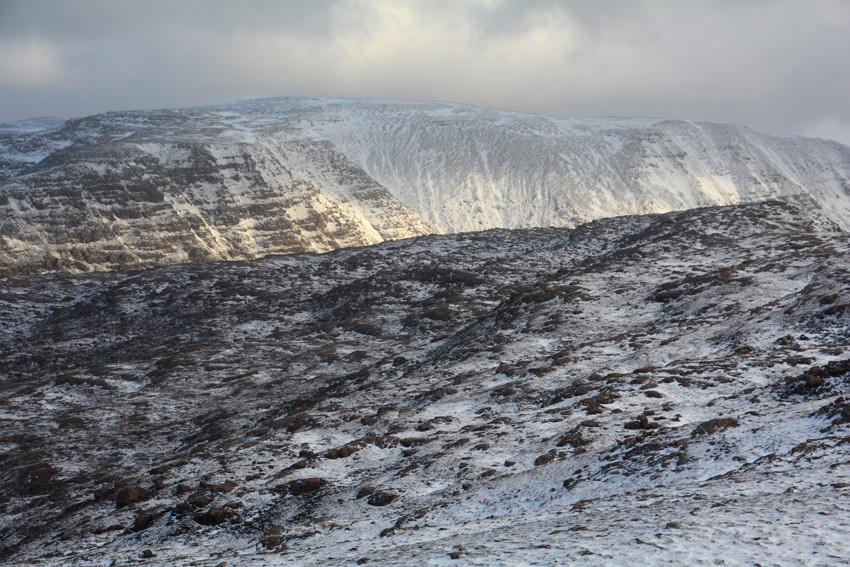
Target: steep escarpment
132, 190
119, 198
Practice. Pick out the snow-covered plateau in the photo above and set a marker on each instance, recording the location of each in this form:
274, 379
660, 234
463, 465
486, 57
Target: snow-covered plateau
131, 190
644, 390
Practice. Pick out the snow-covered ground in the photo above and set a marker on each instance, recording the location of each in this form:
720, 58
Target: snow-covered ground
658, 390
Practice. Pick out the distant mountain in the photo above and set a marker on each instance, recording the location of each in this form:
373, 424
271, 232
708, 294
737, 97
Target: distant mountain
128, 190
465, 168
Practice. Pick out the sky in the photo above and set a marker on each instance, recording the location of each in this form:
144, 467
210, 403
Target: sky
777, 66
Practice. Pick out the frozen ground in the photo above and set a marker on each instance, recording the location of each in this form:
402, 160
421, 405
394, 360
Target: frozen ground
658, 390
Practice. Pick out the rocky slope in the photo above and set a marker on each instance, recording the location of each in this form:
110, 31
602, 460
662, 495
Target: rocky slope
660, 390
133, 190
136, 190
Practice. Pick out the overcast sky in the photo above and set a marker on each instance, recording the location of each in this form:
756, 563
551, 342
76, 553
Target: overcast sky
777, 66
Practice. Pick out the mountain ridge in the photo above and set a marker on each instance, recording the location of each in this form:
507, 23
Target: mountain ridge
135, 189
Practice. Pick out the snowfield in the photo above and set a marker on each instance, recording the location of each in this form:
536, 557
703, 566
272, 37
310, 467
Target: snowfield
643, 390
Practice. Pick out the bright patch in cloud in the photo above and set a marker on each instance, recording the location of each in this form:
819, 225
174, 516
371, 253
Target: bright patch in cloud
30, 64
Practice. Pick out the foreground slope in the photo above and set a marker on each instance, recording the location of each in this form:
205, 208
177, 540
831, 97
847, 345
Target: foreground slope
129, 190
658, 390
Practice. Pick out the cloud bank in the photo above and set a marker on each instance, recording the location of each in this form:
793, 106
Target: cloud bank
776, 66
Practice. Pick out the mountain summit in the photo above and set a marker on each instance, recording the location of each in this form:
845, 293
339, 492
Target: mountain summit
129, 190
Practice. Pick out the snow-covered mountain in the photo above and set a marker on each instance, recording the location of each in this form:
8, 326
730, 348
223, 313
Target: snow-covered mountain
465, 168
654, 390
130, 190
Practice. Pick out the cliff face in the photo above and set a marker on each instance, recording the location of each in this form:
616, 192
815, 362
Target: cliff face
133, 190
124, 195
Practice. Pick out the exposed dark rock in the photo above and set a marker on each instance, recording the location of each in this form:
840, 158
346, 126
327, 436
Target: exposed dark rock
201, 498
143, 521
544, 459
127, 496
212, 517
305, 486
223, 487
343, 452
573, 438
642, 422
381, 498
713, 425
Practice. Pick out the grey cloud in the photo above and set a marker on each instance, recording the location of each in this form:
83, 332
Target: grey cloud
98, 19
775, 66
